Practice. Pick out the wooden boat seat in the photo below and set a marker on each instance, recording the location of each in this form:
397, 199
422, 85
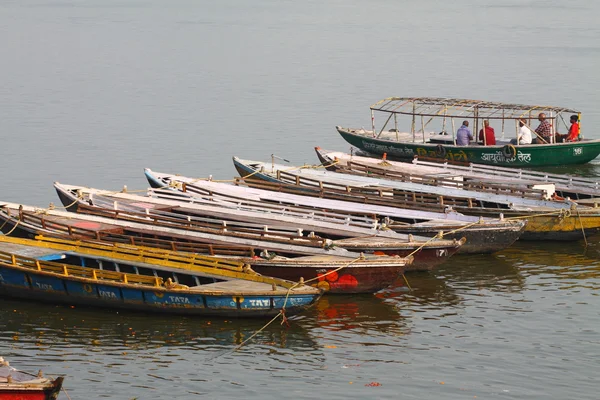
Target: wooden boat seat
235, 286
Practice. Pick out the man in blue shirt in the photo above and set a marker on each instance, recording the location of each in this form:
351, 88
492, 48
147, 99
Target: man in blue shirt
464, 135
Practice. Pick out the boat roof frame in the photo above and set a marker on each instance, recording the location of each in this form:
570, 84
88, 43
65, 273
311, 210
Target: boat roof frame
464, 108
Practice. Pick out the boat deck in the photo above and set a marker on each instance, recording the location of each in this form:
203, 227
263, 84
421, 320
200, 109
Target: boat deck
31, 252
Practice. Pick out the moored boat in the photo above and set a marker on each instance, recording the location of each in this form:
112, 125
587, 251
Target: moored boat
446, 173
142, 279
482, 236
20, 385
309, 265
426, 139
346, 231
562, 220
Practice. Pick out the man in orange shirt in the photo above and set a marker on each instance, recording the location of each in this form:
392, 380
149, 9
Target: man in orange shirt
574, 129
490, 138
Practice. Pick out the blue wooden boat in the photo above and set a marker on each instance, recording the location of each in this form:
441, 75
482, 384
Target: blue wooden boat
142, 279
369, 273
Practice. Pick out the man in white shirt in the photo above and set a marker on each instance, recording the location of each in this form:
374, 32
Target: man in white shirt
525, 136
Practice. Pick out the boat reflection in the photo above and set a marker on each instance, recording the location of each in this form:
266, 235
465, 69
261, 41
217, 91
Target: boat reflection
62, 329
362, 314
573, 261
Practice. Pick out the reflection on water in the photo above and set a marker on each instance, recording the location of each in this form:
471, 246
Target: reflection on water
359, 314
573, 265
59, 329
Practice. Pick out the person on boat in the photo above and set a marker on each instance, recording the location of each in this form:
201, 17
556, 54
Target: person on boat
464, 135
573, 134
525, 136
574, 129
490, 137
544, 129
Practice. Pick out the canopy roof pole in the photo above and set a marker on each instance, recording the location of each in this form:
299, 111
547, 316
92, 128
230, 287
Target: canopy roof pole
552, 128
412, 129
373, 121
384, 125
453, 132
423, 128
476, 115
396, 126
444, 122
503, 124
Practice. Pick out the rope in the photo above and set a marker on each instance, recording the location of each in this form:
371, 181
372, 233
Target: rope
407, 284
282, 312
66, 394
563, 212
582, 230
13, 228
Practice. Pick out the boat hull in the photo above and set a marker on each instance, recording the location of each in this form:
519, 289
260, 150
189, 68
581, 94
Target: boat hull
480, 239
564, 226
483, 239
31, 391
349, 280
29, 285
526, 156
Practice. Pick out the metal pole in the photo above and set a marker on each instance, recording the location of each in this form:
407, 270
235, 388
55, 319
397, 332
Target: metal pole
373, 121
502, 123
552, 128
423, 128
412, 129
453, 132
396, 125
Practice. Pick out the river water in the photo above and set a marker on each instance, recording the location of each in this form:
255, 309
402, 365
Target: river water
94, 91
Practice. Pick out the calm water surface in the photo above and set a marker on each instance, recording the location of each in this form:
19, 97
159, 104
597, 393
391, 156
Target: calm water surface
92, 92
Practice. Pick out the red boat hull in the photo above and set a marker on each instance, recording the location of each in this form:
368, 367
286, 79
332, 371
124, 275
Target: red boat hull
31, 391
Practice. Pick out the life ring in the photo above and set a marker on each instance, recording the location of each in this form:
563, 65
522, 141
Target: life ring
509, 151
440, 151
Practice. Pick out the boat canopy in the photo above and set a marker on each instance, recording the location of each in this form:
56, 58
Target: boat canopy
463, 108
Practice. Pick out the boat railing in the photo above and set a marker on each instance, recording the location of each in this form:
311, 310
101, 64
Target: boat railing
511, 173
190, 225
33, 264
277, 209
293, 183
379, 197
189, 217
360, 169
212, 266
118, 236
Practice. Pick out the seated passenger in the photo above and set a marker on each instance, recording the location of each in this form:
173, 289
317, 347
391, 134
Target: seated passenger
573, 134
524, 136
544, 129
490, 138
464, 135
574, 129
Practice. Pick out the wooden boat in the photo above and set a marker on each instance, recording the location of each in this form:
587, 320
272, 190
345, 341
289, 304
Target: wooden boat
143, 279
471, 176
279, 173
371, 272
422, 113
482, 235
547, 220
348, 232
20, 385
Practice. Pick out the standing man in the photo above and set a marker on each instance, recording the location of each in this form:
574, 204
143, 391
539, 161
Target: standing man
464, 135
490, 137
544, 129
